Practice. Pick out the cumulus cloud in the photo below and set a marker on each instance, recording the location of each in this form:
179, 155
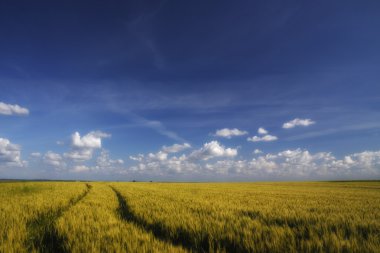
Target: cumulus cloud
79, 159
213, 149
82, 148
228, 133
265, 138
64, 163
170, 165
138, 158
262, 131
298, 122
288, 164
105, 163
162, 163
301, 164
54, 159
8, 109
162, 154
10, 154
83, 154
176, 148
91, 140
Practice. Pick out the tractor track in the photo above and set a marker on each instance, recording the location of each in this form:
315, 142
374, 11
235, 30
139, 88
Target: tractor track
160, 231
42, 233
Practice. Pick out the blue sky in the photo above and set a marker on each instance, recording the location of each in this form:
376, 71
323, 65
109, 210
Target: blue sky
96, 90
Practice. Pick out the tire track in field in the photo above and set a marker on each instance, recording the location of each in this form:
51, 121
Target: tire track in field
180, 237
42, 234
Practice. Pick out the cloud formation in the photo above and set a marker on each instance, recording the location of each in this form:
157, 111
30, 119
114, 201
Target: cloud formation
298, 122
176, 148
82, 148
302, 164
10, 154
287, 164
265, 138
54, 159
91, 140
8, 109
80, 157
229, 133
262, 130
161, 163
105, 163
211, 150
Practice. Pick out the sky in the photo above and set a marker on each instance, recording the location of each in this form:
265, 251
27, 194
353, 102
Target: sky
190, 90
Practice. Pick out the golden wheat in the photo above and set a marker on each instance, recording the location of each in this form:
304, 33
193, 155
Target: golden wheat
193, 217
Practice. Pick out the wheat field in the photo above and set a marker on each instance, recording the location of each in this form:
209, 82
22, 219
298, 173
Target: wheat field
190, 217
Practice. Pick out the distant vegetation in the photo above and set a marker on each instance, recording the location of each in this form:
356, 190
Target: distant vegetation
189, 217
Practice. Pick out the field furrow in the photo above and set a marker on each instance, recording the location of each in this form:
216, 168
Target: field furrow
95, 225
42, 233
180, 238
23, 202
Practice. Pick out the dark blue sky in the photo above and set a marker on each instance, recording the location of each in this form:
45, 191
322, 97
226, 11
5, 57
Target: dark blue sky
140, 75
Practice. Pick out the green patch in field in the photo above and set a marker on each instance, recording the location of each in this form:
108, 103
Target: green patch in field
27, 189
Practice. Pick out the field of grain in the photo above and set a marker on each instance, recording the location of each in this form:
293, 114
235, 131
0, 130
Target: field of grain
189, 217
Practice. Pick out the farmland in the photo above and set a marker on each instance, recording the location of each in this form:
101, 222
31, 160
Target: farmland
189, 217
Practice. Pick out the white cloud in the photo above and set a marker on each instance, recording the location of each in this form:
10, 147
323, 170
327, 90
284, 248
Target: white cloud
262, 130
139, 157
301, 164
161, 156
228, 133
91, 140
106, 164
167, 166
79, 159
265, 138
257, 151
161, 163
348, 160
287, 164
175, 148
297, 122
103, 164
83, 147
213, 149
163, 153
10, 154
54, 159
66, 163
78, 155
8, 109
